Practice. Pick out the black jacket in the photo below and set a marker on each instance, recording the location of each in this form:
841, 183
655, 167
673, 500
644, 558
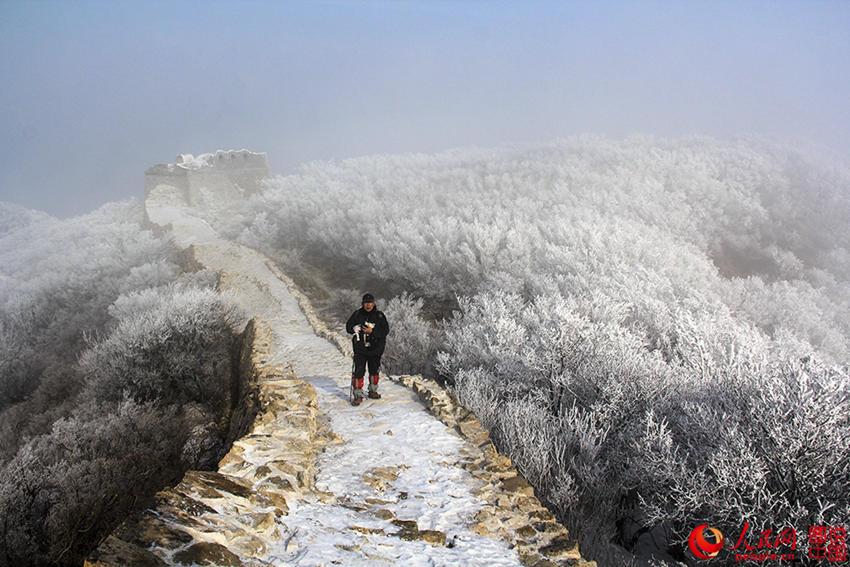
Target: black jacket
369, 344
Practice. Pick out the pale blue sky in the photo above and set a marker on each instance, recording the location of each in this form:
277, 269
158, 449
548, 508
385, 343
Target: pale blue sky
93, 93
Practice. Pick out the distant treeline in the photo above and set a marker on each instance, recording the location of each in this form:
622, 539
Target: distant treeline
656, 331
114, 373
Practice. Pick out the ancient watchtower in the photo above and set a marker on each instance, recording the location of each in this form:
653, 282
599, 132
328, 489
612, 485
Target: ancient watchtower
220, 177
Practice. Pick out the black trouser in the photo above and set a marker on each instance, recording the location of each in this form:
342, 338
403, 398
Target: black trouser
360, 363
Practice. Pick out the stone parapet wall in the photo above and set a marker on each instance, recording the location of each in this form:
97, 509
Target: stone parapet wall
229, 516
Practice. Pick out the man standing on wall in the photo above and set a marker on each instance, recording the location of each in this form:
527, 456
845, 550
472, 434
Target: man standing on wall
370, 329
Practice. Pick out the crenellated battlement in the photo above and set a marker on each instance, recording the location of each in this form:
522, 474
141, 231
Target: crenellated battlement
225, 175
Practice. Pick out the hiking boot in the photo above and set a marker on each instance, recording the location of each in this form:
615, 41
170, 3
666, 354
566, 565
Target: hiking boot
375, 395
356, 401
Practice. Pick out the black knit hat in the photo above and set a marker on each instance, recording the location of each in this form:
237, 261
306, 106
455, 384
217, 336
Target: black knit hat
368, 298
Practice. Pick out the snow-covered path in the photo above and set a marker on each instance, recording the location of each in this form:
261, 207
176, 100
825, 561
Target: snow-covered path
397, 463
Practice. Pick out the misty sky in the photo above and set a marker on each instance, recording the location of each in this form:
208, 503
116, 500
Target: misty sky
93, 93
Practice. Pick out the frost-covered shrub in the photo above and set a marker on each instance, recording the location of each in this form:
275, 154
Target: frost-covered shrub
620, 439
415, 341
578, 381
773, 451
170, 347
115, 377
756, 226
64, 490
60, 277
